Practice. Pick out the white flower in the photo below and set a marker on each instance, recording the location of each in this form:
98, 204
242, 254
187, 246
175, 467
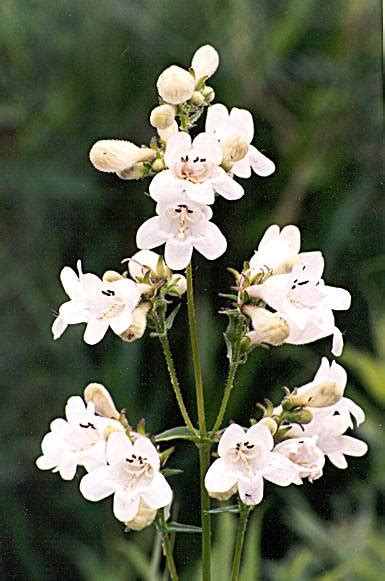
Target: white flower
305, 454
267, 327
245, 459
224, 126
116, 155
78, 441
303, 300
102, 400
334, 444
175, 85
205, 62
194, 171
162, 116
325, 389
182, 225
147, 262
132, 476
278, 250
98, 303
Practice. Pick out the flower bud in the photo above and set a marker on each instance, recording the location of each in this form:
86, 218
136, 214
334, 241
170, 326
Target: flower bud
321, 395
209, 94
165, 134
205, 62
175, 85
136, 172
102, 400
158, 165
144, 517
224, 495
116, 155
162, 116
197, 99
268, 327
299, 417
270, 423
234, 148
178, 284
144, 261
111, 276
139, 323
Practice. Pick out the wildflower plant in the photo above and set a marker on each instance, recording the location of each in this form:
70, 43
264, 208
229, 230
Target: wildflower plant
278, 296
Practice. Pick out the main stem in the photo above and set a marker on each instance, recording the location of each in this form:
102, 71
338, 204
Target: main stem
174, 381
243, 516
231, 376
204, 447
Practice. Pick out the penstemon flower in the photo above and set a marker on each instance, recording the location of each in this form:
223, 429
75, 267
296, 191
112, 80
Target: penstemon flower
245, 459
98, 303
80, 440
234, 132
183, 226
305, 454
132, 476
194, 171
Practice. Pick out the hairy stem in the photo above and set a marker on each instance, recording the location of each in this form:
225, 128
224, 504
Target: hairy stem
204, 447
166, 545
243, 516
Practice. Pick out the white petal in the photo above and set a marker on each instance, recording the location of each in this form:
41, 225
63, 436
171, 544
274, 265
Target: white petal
205, 62
179, 142
67, 466
242, 121
219, 478
338, 342
178, 253
95, 331
75, 409
118, 448
97, 484
242, 168
209, 146
164, 187
46, 463
144, 447
291, 235
201, 193
226, 186
126, 505
260, 435
158, 494
141, 262
274, 291
262, 165
70, 281
280, 470
337, 298
150, 234
353, 446
128, 291
314, 264
338, 459
217, 118
72, 312
212, 244
230, 438
122, 322
251, 489
58, 327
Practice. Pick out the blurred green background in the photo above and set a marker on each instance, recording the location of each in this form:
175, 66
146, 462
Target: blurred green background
73, 72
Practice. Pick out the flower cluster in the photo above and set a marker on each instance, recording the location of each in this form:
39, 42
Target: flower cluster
291, 442
118, 461
188, 174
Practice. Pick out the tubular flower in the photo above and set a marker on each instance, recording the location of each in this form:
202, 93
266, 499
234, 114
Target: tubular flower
116, 155
245, 459
194, 171
305, 454
98, 303
204, 62
238, 125
102, 400
303, 300
80, 440
132, 476
182, 225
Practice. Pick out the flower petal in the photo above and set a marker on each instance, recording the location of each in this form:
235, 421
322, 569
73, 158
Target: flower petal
75, 409
70, 281
126, 505
262, 165
209, 147
95, 331
338, 459
97, 484
261, 435
353, 446
242, 168
219, 478
165, 187
144, 447
150, 234
72, 312
158, 494
67, 466
58, 327
280, 470
251, 489
242, 121
217, 118
122, 322
337, 298
230, 438
119, 447
226, 186
338, 342
178, 253
212, 243
177, 143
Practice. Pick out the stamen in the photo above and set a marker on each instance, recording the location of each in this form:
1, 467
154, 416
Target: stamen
108, 293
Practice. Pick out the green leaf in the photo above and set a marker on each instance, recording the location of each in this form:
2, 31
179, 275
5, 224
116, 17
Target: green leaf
171, 471
176, 527
179, 433
171, 317
234, 508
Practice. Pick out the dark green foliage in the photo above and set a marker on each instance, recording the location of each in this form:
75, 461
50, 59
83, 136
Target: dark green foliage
74, 72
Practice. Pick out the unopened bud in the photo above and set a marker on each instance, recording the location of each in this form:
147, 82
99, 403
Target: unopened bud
145, 261
268, 327
111, 276
102, 400
227, 165
175, 85
197, 99
299, 417
234, 148
135, 172
270, 423
209, 94
158, 165
162, 116
205, 62
165, 134
115, 155
144, 517
322, 395
139, 323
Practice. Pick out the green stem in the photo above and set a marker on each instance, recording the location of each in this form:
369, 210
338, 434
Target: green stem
163, 338
204, 447
243, 516
234, 364
166, 545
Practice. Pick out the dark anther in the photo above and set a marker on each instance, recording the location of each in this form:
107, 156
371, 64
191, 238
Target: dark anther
303, 282
130, 460
89, 425
190, 211
178, 210
134, 456
248, 495
249, 446
203, 159
182, 206
108, 293
196, 159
